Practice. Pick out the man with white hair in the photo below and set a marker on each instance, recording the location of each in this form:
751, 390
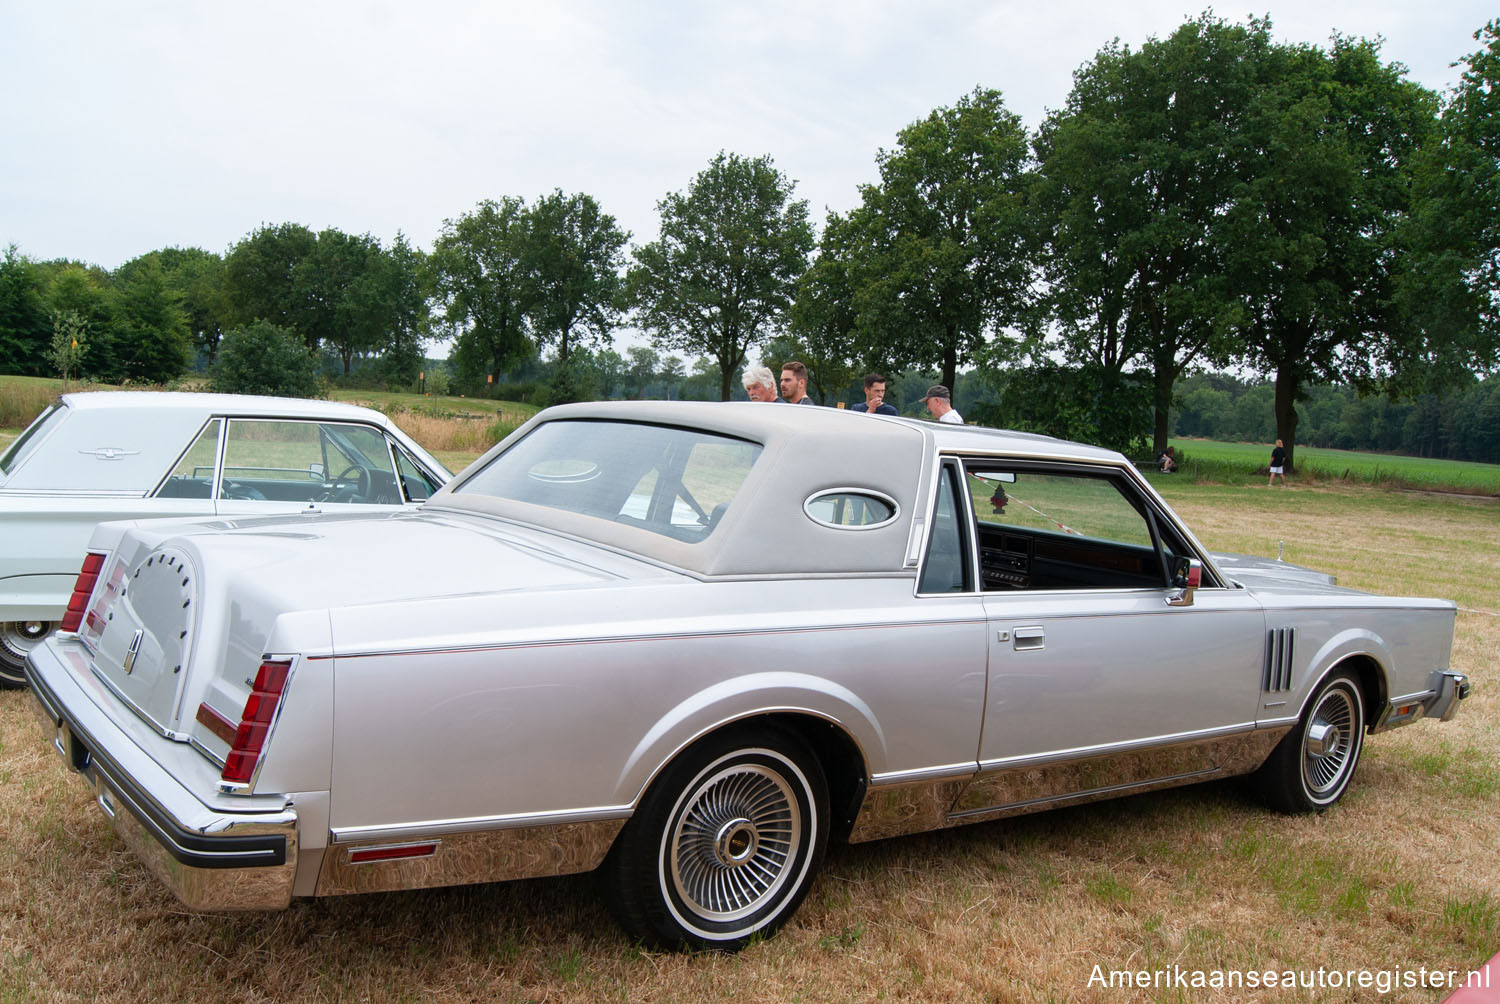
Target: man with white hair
760, 383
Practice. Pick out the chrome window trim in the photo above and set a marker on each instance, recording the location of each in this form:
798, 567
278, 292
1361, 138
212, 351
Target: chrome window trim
850, 490
379, 430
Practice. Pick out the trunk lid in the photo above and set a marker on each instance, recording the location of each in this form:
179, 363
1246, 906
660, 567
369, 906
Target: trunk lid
186, 612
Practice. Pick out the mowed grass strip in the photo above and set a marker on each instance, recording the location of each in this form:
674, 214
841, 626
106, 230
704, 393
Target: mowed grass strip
1402, 874
1237, 463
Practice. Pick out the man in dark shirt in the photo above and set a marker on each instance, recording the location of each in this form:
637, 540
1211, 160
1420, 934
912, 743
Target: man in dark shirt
874, 402
794, 384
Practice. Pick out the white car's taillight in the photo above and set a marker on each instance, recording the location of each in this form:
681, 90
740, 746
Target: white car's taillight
88, 575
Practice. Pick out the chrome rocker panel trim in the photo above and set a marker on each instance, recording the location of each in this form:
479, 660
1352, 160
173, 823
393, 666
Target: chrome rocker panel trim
922, 805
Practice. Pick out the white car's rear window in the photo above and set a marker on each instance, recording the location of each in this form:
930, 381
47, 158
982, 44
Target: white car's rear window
28, 440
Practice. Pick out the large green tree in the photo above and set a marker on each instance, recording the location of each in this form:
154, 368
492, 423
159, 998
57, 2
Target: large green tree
1325, 154
25, 332
149, 337
942, 249
478, 274
261, 278
573, 258
353, 290
409, 315
1135, 172
197, 278
720, 277
1448, 267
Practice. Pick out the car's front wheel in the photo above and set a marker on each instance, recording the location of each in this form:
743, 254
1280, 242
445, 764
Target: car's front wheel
1311, 767
725, 843
16, 639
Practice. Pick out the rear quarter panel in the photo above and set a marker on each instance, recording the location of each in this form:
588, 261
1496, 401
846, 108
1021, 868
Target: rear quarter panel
565, 702
1406, 638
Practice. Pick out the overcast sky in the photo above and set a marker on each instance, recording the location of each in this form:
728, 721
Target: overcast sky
127, 127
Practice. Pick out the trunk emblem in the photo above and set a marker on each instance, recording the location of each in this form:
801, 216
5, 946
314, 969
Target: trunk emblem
134, 650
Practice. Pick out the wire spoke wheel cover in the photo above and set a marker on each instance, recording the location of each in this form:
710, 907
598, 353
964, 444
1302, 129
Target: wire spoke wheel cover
16, 639
724, 843
1311, 767
733, 841
1330, 742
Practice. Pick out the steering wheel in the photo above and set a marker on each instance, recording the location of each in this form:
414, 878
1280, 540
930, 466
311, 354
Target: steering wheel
361, 479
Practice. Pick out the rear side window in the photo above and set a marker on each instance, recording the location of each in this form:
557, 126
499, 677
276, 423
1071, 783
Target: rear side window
193, 477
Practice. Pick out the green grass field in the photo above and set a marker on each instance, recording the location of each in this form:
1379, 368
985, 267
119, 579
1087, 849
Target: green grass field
1212, 460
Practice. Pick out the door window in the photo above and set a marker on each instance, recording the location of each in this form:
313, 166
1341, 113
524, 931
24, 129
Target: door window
312, 462
1060, 528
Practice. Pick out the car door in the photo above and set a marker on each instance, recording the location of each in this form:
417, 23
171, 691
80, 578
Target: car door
1102, 676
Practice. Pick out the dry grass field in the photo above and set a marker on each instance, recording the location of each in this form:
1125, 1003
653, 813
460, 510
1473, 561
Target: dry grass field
1404, 874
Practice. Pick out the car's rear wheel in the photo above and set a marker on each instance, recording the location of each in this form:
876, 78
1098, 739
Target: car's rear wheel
16, 639
725, 843
1313, 764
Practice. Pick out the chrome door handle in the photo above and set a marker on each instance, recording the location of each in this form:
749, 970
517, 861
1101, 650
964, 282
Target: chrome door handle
1030, 639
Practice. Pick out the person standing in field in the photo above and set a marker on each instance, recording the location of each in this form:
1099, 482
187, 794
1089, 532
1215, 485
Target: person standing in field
1278, 464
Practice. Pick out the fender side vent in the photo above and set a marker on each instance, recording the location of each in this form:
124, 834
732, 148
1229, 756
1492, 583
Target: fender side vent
1280, 646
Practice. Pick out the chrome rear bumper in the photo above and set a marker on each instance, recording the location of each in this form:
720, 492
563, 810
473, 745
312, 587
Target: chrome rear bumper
211, 859
1446, 688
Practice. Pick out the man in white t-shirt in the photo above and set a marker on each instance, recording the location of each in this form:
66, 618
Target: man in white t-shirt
940, 405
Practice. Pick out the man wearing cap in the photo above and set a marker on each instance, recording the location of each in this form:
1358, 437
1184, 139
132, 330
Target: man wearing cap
940, 405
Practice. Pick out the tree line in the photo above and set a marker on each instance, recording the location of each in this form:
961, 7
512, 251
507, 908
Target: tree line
1462, 424
1211, 200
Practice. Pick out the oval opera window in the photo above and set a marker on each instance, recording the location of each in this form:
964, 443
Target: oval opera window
851, 508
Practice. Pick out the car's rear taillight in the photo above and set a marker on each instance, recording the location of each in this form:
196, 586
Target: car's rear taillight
260, 708
88, 575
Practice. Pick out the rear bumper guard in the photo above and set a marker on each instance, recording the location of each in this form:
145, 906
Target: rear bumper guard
1445, 689
210, 859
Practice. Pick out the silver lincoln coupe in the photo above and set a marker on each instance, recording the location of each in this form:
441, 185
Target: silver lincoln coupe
688, 644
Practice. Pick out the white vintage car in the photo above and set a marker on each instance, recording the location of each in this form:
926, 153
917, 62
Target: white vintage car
688, 644
103, 456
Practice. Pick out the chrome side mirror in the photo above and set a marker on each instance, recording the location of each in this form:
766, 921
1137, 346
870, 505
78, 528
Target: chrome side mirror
1187, 575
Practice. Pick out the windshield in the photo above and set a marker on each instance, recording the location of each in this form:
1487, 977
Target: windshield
675, 482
